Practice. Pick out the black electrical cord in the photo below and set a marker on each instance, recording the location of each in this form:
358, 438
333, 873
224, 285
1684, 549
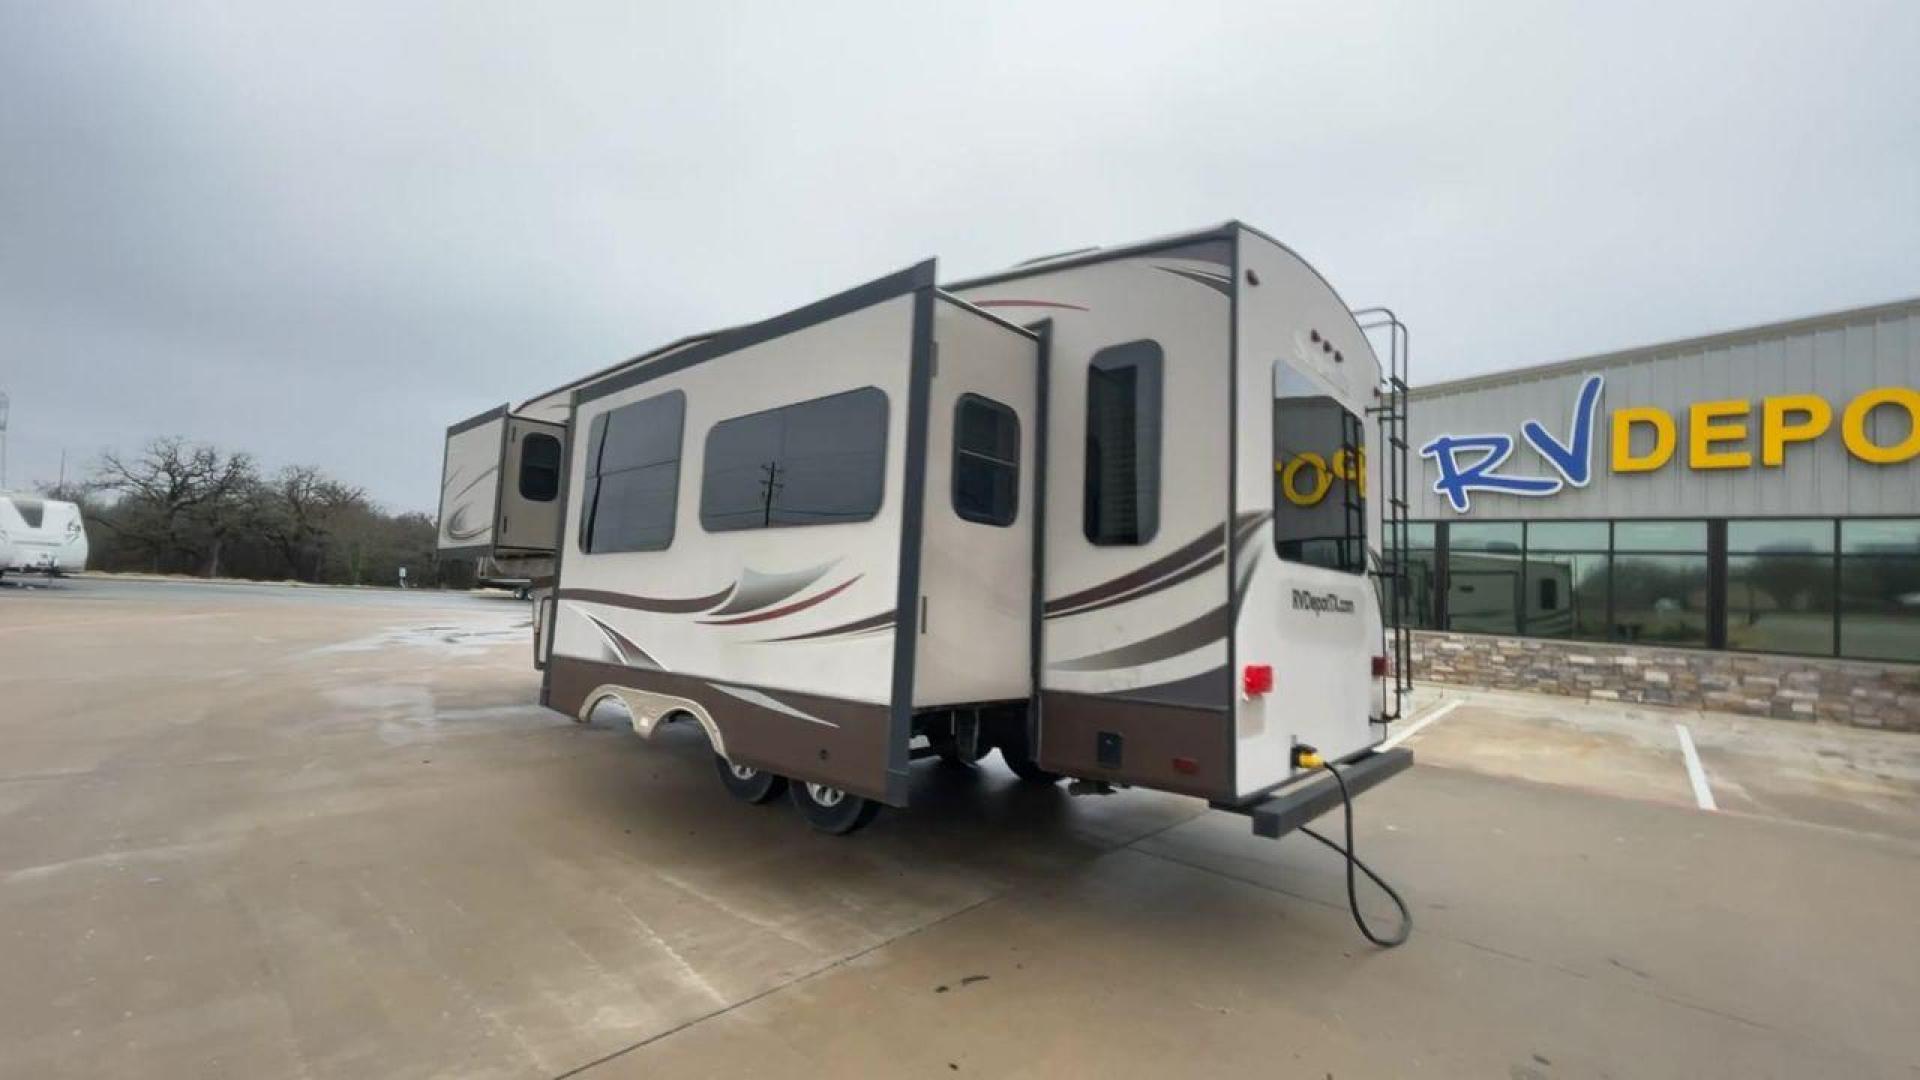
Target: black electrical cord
1353, 898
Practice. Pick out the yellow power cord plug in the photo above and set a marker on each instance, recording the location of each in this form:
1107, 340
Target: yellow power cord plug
1306, 757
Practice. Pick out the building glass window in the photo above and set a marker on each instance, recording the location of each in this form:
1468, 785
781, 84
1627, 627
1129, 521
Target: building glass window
1660, 599
1485, 536
1880, 589
1667, 536
1780, 586
633, 476
986, 461
1319, 476
818, 462
1122, 504
1567, 580
539, 467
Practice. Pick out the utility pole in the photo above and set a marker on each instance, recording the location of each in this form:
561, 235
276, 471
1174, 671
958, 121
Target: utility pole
769, 487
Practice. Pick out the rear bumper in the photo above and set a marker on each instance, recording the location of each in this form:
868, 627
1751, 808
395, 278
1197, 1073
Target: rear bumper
1296, 804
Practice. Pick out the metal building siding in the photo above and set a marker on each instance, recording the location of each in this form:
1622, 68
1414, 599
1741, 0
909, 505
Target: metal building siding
1836, 358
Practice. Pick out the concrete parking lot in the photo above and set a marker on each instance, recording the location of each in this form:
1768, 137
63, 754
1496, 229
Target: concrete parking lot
262, 831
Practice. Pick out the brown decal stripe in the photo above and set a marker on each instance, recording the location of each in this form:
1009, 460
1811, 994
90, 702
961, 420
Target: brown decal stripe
1133, 579
671, 606
624, 648
800, 605
882, 621
1207, 690
1191, 572
1182, 639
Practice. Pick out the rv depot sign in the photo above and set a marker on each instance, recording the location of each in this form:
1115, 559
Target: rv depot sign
1719, 435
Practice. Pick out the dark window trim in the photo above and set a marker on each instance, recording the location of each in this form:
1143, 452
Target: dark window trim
1013, 509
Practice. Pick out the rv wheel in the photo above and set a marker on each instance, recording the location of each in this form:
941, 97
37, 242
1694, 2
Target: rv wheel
748, 784
832, 810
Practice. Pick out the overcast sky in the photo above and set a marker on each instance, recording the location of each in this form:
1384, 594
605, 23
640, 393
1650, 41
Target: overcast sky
323, 232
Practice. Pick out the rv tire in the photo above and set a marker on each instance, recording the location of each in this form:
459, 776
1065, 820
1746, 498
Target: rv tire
748, 784
831, 810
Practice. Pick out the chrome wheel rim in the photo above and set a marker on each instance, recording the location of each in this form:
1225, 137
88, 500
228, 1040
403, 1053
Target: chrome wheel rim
824, 795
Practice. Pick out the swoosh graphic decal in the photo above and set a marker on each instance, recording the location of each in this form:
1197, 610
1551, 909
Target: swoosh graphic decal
623, 647
756, 590
1028, 303
1207, 690
1185, 638
755, 697
489, 472
1224, 288
667, 605
457, 525
763, 616
1191, 572
1201, 545
868, 625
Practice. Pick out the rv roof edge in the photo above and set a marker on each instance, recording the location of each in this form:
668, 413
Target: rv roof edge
472, 422
1221, 231
918, 276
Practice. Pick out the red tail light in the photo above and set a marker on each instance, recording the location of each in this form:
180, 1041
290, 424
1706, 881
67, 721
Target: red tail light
1379, 667
1257, 679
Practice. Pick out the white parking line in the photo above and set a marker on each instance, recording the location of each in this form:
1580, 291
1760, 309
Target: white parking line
1420, 724
1702, 794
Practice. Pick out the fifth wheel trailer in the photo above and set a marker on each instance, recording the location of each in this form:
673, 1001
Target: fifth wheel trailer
1114, 514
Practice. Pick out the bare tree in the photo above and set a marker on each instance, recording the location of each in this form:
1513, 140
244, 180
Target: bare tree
300, 511
177, 498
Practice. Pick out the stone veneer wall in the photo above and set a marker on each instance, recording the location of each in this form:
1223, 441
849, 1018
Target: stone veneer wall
1857, 692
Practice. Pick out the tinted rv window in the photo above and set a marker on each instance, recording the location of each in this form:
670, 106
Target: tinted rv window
539, 467
819, 462
986, 461
1123, 444
633, 476
1319, 476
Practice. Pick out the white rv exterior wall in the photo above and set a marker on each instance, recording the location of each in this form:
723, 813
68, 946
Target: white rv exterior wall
1091, 307
1323, 692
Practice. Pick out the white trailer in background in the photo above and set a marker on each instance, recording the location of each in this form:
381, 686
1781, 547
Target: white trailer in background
43, 536
1113, 514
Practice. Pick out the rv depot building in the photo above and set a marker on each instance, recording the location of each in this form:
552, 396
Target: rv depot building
1729, 522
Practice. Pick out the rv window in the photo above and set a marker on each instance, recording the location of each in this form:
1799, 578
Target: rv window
1122, 504
539, 467
633, 476
1319, 476
986, 461
819, 462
